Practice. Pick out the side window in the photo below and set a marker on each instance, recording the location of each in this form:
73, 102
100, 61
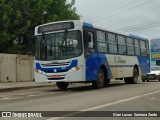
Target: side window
136, 45
121, 44
143, 48
91, 43
89, 46
112, 43
88, 39
101, 36
130, 46
147, 46
101, 41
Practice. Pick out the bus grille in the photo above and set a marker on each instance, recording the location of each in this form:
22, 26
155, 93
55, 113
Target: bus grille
55, 64
58, 71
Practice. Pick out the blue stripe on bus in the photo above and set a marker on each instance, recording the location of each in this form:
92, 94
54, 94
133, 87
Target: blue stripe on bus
93, 63
74, 63
144, 66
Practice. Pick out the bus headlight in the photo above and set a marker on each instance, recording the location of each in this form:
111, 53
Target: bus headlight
74, 69
39, 71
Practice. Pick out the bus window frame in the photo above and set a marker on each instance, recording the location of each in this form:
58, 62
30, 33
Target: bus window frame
112, 43
130, 46
119, 44
143, 48
137, 47
104, 41
94, 30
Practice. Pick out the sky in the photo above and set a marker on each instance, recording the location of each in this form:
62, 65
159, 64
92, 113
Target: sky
140, 17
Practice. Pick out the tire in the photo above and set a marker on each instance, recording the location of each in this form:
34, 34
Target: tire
143, 80
134, 79
101, 80
135, 76
62, 85
127, 80
107, 81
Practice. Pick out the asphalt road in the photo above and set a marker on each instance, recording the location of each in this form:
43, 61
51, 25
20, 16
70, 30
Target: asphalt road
117, 97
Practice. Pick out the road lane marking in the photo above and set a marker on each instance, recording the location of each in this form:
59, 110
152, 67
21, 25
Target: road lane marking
104, 105
12, 98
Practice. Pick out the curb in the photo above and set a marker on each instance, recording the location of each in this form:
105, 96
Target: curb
23, 87
38, 86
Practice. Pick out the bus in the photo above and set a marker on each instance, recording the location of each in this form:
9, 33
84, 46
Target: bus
79, 52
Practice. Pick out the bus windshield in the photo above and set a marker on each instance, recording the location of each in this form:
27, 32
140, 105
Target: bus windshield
57, 46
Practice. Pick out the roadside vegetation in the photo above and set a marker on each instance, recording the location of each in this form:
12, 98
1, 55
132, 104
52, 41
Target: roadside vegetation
20, 17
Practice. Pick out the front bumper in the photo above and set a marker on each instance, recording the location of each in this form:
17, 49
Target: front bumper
151, 77
77, 76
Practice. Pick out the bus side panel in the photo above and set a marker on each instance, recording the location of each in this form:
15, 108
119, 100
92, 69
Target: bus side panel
144, 64
93, 63
103, 60
118, 66
122, 66
92, 67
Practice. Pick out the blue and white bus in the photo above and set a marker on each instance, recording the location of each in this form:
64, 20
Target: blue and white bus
74, 52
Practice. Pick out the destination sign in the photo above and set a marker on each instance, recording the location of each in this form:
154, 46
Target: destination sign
56, 27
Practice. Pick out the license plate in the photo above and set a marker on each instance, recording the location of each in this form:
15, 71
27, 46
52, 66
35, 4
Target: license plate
55, 76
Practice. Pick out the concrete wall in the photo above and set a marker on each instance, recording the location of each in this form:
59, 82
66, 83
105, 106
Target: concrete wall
15, 68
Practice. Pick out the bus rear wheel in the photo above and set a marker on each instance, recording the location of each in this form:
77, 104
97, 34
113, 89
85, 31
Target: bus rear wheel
127, 80
134, 79
135, 76
106, 83
101, 80
62, 85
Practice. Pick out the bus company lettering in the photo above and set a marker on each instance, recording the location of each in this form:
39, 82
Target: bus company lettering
119, 60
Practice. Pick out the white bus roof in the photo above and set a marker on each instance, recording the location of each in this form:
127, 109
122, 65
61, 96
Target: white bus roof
87, 24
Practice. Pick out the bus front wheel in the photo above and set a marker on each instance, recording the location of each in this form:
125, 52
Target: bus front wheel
101, 79
62, 85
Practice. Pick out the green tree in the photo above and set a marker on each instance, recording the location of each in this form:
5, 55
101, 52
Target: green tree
20, 17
